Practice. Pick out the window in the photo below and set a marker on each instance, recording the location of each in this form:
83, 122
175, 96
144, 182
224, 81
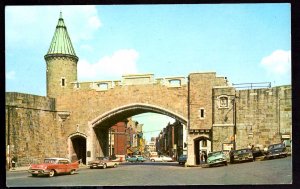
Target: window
63, 82
204, 143
202, 113
103, 86
175, 83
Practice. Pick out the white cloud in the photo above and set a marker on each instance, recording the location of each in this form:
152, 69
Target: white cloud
31, 25
279, 62
114, 66
10, 75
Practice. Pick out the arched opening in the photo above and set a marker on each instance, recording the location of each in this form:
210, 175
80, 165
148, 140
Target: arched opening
201, 145
78, 148
102, 127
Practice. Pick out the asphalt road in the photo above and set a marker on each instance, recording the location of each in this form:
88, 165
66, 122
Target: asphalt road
277, 171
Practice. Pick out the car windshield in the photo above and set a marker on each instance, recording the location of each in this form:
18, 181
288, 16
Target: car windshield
214, 154
276, 146
240, 151
49, 160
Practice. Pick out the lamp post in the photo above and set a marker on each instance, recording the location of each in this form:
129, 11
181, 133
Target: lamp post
234, 122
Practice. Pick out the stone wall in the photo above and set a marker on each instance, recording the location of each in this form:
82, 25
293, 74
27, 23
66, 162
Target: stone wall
262, 116
33, 129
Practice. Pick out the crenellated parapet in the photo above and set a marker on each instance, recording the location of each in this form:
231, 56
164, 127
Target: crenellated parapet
132, 79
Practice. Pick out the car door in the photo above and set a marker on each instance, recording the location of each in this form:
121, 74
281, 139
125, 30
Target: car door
61, 166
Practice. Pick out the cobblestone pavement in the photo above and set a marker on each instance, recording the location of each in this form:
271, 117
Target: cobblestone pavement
277, 171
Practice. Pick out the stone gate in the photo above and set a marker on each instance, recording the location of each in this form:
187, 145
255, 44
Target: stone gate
74, 117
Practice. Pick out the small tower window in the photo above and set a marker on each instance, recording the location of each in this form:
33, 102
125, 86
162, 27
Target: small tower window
202, 113
63, 82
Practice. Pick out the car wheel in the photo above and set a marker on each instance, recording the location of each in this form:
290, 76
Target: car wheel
115, 165
104, 166
91, 167
51, 173
225, 163
72, 172
34, 175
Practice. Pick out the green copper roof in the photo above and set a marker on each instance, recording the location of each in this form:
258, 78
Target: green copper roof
61, 42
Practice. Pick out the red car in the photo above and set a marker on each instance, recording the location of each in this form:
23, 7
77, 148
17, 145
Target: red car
53, 166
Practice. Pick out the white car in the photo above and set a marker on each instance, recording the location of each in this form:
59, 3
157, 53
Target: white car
160, 159
166, 158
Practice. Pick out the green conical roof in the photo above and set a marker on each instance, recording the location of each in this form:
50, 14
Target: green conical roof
61, 43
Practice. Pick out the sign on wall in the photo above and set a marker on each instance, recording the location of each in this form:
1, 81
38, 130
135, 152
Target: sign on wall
227, 146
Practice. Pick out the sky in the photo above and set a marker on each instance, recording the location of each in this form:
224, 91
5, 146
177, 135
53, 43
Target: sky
246, 43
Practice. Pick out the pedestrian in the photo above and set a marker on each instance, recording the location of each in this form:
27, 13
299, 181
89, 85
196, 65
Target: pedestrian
252, 147
231, 155
265, 149
249, 146
13, 163
205, 156
201, 157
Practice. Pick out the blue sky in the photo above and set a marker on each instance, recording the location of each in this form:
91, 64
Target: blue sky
244, 42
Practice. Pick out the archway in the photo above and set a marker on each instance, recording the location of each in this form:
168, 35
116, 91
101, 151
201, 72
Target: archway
201, 145
77, 147
99, 127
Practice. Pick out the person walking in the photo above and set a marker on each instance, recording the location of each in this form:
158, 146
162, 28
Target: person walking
231, 155
205, 156
201, 157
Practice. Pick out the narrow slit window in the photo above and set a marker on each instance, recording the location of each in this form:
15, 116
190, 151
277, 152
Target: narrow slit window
63, 82
202, 113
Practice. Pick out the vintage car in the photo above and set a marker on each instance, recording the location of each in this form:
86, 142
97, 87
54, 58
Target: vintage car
136, 158
242, 155
102, 162
276, 150
161, 159
182, 159
216, 158
257, 152
53, 166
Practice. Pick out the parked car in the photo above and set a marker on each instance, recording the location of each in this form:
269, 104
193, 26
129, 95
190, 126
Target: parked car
161, 159
102, 162
257, 152
166, 158
182, 159
242, 155
276, 150
216, 158
156, 159
136, 158
53, 166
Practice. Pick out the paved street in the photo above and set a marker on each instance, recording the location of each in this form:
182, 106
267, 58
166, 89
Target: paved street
277, 171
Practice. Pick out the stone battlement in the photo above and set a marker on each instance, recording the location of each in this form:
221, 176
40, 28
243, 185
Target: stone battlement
132, 79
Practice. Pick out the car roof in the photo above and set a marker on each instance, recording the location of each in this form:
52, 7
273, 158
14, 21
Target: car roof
242, 149
57, 158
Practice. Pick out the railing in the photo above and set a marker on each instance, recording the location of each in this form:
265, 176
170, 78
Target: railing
253, 85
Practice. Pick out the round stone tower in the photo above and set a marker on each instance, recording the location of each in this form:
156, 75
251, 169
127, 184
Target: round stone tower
61, 62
